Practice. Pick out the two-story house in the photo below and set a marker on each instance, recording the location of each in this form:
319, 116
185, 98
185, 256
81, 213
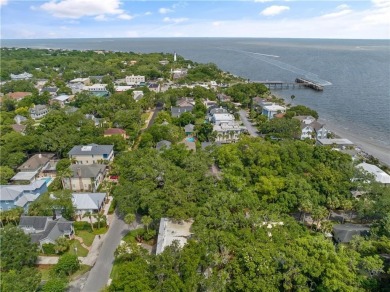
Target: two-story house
271, 110
91, 154
85, 178
38, 111
12, 196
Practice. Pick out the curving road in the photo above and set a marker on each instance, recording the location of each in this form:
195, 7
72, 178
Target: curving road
251, 129
100, 273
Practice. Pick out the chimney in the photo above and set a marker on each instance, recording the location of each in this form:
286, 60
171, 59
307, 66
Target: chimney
54, 214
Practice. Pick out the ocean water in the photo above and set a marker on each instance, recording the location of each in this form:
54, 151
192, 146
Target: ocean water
356, 73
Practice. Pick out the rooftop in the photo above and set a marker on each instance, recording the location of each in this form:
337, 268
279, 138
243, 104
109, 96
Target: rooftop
379, 174
171, 231
88, 201
335, 141
91, 149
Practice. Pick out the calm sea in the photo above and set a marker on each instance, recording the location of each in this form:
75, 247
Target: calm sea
356, 73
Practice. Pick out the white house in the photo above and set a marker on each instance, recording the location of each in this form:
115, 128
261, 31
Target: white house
91, 154
227, 129
96, 87
138, 94
88, 202
170, 231
123, 88
271, 110
23, 76
85, 177
379, 174
62, 99
38, 111
134, 79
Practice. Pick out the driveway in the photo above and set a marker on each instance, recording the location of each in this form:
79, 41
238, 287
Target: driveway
100, 273
251, 129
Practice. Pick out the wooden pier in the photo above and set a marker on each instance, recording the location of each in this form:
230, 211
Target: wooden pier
299, 83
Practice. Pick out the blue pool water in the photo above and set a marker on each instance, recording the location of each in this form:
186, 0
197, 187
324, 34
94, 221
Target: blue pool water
48, 180
190, 139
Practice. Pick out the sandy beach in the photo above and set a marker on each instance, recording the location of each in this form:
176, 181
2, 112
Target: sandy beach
380, 152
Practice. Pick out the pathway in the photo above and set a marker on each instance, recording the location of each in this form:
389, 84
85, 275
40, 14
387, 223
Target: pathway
251, 129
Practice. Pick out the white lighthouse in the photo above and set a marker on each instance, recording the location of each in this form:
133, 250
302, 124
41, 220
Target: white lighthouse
174, 57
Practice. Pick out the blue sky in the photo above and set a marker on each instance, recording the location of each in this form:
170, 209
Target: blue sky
256, 18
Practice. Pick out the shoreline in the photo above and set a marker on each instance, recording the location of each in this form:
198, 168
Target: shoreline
382, 153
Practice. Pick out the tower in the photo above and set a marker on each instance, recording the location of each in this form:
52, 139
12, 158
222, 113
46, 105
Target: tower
174, 57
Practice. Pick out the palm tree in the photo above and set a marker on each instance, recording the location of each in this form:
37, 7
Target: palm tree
146, 220
292, 97
129, 219
66, 173
89, 215
100, 217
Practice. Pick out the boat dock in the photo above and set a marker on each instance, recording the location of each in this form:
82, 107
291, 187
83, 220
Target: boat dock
299, 83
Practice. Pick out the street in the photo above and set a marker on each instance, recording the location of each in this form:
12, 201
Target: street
100, 273
251, 129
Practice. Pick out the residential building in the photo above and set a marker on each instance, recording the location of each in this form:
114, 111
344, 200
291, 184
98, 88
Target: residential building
38, 111
76, 87
138, 94
49, 170
178, 73
91, 154
98, 87
97, 121
85, 81
154, 87
164, 62
178, 111
62, 100
36, 162
225, 126
170, 231
115, 131
344, 233
18, 96
134, 79
23, 76
85, 177
307, 120
43, 229
271, 110
88, 202
123, 88
223, 97
12, 196
19, 119
51, 90
163, 144
338, 143
19, 128
185, 101
218, 118
379, 175
189, 129
314, 130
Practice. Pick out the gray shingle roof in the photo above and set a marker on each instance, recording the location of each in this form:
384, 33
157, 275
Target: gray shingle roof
177, 111
37, 222
87, 171
91, 149
345, 232
88, 201
36, 161
189, 128
163, 143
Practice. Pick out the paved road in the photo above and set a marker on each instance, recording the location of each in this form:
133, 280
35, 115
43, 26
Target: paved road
100, 273
251, 129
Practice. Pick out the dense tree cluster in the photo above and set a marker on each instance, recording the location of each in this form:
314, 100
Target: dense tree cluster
244, 92
242, 219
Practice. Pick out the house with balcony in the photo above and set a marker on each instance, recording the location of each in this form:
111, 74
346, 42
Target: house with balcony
23, 76
134, 79
85, 178
38, 111
88, 202
91, 154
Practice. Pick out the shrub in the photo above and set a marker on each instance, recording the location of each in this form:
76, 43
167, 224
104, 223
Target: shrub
48, 248
82, 225
67, 265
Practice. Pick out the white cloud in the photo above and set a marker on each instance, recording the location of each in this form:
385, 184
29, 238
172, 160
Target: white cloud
175, 20
101, 17
79, 8
148, 13
125, 16
165, 10
263, 1
337, 14
342, 7
274, 10
3, 2
217, 23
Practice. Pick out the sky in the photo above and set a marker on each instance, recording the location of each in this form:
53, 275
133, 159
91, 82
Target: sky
358, 19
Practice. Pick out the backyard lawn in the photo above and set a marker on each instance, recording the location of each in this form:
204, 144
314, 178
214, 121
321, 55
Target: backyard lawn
81, 251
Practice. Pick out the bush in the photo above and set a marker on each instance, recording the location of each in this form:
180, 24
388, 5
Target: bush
82, 225
67, 265
55, 284
48, 248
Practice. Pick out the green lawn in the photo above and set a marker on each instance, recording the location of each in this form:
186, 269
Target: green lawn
87, 236
81, 251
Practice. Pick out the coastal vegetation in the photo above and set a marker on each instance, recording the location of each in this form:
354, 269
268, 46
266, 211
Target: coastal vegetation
263, 208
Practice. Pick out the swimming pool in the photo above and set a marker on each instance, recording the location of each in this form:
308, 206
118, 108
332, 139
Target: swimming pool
190, 139
48, 180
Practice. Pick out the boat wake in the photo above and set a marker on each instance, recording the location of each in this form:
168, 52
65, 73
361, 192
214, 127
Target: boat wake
266, 58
